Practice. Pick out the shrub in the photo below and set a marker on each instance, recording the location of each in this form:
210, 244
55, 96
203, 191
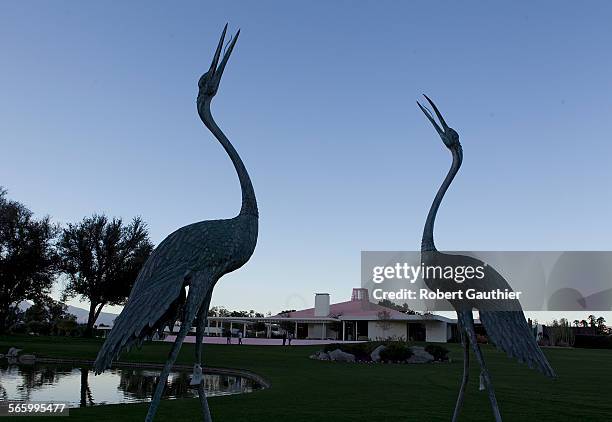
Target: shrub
593, 342
361, 351
395, 352
438, 352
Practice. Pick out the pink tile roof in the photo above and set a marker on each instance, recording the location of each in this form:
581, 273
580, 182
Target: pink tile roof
352, 308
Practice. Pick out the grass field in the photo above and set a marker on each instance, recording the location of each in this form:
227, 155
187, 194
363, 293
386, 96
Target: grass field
308, 390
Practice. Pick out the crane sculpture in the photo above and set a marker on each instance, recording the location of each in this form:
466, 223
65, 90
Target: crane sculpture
503, 320
177, 281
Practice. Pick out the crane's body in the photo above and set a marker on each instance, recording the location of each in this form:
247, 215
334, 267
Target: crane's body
503, 320
177, 281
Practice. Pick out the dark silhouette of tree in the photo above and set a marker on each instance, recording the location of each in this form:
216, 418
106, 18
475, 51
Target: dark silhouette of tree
584, 323
102, 258
592, 321
49, 317
400, 308
28, 262
601, 325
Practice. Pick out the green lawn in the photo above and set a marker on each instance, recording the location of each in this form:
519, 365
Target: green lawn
307, 390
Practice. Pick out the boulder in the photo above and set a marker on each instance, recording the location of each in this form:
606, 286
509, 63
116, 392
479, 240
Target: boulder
340, 356
320, 355
419, 355
375, 355
323, 356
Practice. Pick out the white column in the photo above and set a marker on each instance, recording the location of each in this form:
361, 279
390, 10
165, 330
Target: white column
323, 331
343, 330
295, 333
244, 330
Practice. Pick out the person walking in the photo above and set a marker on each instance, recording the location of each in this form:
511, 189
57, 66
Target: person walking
284, 337
239, 337
289, 338
229, 337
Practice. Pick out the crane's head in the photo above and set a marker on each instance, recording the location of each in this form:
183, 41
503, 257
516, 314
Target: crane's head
209, 82
449, 136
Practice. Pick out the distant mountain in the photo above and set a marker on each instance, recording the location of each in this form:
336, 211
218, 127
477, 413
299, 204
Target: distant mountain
105, 318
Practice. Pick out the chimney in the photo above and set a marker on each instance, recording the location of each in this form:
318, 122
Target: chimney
359, 294
321, 305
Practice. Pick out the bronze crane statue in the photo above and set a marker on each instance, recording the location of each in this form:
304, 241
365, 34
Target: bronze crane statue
503, 320
177, 281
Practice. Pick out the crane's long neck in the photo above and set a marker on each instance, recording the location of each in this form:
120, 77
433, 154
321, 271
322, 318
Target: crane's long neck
427, 242
249, 203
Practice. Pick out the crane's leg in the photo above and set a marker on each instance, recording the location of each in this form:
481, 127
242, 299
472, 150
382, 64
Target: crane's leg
191, 308
485, 373
466, 373
200, 327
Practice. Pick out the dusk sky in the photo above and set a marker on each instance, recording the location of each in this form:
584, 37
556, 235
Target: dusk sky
98, 114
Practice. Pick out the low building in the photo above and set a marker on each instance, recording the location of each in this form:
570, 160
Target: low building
360, 319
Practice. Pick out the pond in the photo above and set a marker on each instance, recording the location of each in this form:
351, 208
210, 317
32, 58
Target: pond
77, 385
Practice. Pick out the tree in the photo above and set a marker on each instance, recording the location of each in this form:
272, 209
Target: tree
102, 258
576, 323
400, 308
601, 325
49, 317
584, 323
28, 261
592, 321
384, 321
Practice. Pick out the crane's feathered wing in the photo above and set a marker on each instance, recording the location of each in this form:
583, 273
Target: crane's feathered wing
503, 320
509, 331
158, 295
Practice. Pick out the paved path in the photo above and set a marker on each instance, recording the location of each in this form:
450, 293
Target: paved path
257, 341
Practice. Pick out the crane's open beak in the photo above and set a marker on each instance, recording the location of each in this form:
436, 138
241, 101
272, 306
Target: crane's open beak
216, 71
442, 131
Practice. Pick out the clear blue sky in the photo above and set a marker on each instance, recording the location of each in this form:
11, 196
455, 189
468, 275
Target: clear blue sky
97, 114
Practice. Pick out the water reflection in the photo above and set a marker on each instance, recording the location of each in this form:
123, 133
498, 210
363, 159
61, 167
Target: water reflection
79, 387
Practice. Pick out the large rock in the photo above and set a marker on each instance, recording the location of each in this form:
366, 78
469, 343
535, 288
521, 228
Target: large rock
419, 355
340, 356
375, 355
320, 355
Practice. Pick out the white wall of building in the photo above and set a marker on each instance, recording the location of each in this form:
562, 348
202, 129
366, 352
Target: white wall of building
436, 331
396, 329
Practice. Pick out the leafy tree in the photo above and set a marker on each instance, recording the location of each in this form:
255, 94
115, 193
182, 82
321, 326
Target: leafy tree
576, 323
601, 325
400, 308
584, 323
592, 321
102, 258
49, 317
218, 311
28, 262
